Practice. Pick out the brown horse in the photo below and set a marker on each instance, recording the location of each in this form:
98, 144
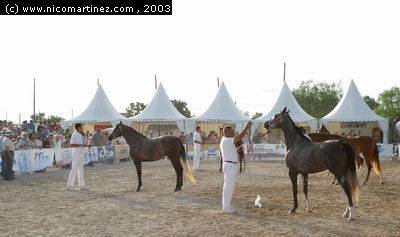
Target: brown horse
306, 157
146, 149
240, 151
360, 144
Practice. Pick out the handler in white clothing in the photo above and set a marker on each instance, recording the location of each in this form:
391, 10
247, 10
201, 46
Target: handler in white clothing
77, 159
197, 148
230, 158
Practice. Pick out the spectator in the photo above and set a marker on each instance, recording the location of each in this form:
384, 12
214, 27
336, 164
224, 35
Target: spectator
31, 127
48, 141
53, 127
57, 141
14, 131
182, 137
8, 155
24, 142
24, 125
197, 148
2, 136
96, 137
66, 142
105, 139
37, 142
190, 138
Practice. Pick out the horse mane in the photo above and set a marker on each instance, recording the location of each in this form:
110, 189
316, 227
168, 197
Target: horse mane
298, 129
133, 130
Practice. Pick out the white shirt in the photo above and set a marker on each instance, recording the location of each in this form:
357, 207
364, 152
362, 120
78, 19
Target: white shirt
7, 144
57, 144
77, 138
196, 137
228, 149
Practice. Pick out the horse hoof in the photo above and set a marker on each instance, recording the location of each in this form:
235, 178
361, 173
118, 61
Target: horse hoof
381, 182
177, 189
137, 189
308, 210
292, 211
350, 219
364, 183
346, 214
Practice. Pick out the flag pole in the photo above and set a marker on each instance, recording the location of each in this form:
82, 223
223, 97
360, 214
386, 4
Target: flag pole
34, 99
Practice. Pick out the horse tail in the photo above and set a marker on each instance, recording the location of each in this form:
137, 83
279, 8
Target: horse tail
375, 161
186, 167
351, 174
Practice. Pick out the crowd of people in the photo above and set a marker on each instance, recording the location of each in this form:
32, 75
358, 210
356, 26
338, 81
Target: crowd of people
211, 138
47, 135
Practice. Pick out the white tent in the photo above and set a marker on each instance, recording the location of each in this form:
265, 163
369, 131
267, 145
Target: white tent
160, 109
352, 108
286, 99
222, 109
100, 110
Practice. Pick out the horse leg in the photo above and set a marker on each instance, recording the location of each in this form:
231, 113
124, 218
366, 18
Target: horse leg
293, 178
179, 173
240, 166
349, 209
369, 167
305, 190
138, 165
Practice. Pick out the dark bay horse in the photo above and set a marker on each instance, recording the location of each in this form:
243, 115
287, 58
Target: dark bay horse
146, 149
239, 150
360, 144
306, 157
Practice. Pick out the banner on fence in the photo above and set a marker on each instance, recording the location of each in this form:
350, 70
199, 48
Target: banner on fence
264, 150
32, 160
105, 152
385, 150
121, 152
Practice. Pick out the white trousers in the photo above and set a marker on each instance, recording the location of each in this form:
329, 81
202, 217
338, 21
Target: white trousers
76, 169
197, 156
230, 173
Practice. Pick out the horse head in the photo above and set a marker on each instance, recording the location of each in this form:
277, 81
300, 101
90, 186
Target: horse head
117, 132
277, 121
323, 130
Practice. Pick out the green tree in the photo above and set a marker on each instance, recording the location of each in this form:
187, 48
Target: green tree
50, 119
256, 115
389, 107
318, 99
134, 109
371, 102
38, 117
54, 119
181, 106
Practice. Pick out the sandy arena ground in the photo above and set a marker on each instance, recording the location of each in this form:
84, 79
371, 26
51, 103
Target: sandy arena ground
38, 204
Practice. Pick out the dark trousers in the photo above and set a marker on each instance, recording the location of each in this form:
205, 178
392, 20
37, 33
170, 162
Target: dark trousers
7, 163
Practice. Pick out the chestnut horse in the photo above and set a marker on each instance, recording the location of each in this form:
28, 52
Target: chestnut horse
146, 149
240, 151
360, 144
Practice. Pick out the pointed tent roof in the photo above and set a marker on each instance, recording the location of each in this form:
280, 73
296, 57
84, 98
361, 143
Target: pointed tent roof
222, 108
352, 107
160, 108
100, 109
286, 99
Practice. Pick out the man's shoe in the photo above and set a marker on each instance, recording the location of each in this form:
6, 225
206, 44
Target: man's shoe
229, 210
70, 188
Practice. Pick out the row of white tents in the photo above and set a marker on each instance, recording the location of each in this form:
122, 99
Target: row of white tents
351, 108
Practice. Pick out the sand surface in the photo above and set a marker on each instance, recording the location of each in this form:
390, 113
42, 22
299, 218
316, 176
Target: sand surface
38, 204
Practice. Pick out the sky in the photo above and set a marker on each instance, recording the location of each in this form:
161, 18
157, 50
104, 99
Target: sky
244, 43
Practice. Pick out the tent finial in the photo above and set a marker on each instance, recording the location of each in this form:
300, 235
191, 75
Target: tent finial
284, 72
